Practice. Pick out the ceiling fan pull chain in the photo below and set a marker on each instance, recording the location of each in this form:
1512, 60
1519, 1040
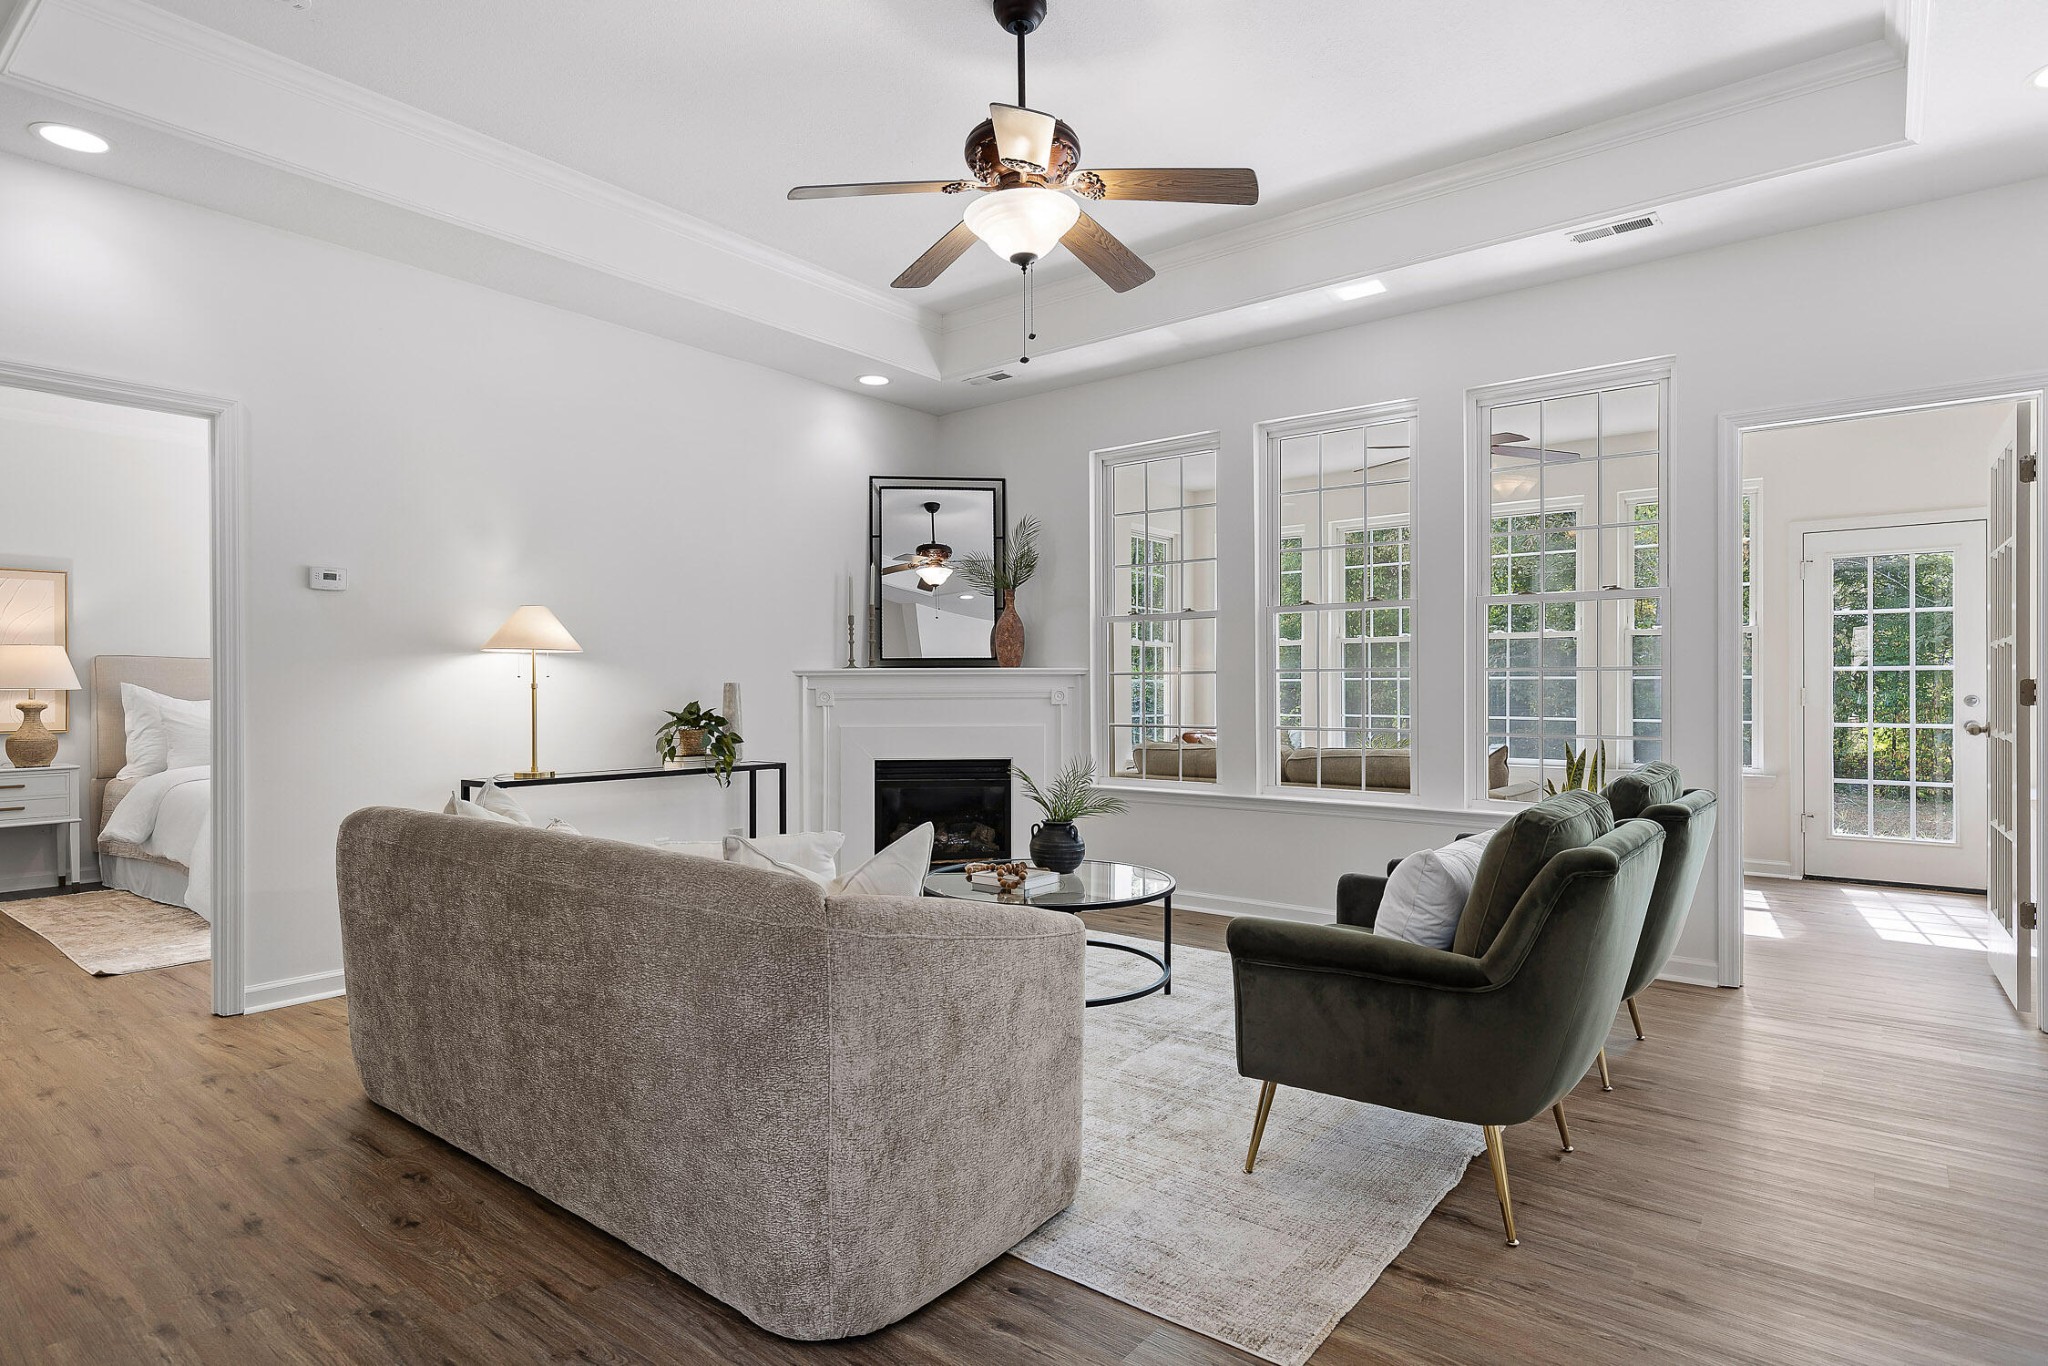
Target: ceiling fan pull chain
1030, 326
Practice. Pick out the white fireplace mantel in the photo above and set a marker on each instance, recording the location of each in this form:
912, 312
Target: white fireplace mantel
849, 718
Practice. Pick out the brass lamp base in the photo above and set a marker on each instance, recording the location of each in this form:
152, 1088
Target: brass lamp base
535, 773
32, 745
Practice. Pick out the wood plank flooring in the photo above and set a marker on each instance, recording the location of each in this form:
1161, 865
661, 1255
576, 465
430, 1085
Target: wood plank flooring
1841, 1163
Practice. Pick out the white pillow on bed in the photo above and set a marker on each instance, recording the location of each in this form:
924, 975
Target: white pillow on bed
164, 732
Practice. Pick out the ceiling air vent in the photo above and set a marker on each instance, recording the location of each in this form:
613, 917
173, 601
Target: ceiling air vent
993, 377
1615, 229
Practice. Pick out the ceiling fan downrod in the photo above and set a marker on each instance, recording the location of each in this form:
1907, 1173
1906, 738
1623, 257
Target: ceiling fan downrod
1020, 17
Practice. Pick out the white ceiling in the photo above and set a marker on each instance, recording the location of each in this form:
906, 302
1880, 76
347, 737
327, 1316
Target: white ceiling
718, 109
630, 160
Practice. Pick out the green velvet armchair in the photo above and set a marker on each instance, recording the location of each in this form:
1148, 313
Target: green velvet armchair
1652, 793
1493, 1031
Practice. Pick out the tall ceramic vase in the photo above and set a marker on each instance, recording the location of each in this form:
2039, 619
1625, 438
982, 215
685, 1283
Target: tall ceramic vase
1007, 639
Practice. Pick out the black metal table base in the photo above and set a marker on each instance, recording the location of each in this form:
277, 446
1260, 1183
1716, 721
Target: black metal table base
1164, 982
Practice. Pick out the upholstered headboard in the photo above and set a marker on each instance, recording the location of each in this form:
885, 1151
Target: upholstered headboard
169, 675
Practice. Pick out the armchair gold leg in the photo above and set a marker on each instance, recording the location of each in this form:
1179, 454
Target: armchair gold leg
1635, 1017
1606, 1081
1259, 1125
1498, 1157
1564, 1133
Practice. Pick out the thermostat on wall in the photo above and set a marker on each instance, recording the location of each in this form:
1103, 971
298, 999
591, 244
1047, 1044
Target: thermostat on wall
328, 580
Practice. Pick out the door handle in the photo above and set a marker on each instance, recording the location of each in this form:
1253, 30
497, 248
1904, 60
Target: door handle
1976, 728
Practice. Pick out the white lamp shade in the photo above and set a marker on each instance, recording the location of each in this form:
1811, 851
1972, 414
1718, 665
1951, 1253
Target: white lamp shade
1023, 224
534, 627
1023, 136
934, 574
36, 666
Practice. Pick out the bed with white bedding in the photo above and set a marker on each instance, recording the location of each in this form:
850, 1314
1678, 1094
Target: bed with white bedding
152, 790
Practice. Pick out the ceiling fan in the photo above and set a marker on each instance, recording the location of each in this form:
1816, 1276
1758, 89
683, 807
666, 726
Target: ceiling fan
1027, 166
1509, 444
931, 560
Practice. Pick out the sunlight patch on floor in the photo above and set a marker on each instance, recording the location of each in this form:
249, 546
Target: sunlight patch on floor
1757, 920
1901, 916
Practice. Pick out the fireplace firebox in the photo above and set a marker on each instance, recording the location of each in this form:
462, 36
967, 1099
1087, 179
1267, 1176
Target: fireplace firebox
966, 800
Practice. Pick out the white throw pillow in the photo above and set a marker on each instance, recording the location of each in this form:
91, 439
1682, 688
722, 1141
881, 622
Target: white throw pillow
458, 807
816, 851
1426, 893
562, 827
898, 870
499, 803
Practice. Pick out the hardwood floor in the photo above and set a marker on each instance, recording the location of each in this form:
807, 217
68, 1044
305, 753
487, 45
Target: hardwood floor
1840, 1163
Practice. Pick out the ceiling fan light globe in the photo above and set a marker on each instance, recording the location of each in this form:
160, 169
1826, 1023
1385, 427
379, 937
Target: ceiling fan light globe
1024, 137
1026, 222
934, 574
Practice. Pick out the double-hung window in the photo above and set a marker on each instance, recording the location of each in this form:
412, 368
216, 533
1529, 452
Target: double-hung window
1339, 588
1573, 614
1157, 613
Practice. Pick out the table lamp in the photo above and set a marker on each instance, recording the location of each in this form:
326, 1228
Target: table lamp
533, 629
32, 667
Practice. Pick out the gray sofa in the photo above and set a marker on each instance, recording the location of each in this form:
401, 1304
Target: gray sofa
823, 1111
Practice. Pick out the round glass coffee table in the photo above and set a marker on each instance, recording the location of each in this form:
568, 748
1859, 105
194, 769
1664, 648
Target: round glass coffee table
1095, 886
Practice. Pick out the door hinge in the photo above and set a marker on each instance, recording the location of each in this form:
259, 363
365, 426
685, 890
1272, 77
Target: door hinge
2028, 914
2029, 691
2030, 468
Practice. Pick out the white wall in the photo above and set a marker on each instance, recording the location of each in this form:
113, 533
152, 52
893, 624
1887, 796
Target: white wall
1882, 304
120, 501
1873, 470
461, 452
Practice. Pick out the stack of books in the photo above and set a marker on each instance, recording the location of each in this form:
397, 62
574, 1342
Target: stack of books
1036, 880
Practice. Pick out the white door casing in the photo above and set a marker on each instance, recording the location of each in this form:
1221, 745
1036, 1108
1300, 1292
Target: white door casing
2008, 738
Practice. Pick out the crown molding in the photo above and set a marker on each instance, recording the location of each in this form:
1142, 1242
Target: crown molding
195, 42
1790, 83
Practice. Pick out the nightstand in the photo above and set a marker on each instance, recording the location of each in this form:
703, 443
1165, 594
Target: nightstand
44, 796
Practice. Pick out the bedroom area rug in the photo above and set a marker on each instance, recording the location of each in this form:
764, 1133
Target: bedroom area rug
1168, 1221
108, 932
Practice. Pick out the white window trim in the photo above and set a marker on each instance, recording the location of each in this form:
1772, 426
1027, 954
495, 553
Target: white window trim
1752, 494
1103, 584
1656, 370
1266, 533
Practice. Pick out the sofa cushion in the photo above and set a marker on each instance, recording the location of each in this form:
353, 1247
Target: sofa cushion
1497, 769
1170, 759
1426, 893
1517, 852
1639, 789
1383, 770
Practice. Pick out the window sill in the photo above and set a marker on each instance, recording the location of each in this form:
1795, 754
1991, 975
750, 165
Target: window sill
1200, 794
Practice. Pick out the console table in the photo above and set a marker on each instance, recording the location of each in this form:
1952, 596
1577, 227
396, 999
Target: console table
623, 775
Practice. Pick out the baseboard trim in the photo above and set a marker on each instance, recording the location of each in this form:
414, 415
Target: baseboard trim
33, 882
1692, 972
1768, 867
292, 991
1215, 903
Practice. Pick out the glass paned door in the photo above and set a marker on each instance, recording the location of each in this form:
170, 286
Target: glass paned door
1895, 783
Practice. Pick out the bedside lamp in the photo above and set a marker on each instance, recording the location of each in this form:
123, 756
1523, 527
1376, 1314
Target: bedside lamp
32, 667
533, 630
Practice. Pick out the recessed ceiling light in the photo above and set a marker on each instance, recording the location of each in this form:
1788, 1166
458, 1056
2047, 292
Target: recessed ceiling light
876, 380
69, 138
1360, 289
2039, 80
967, 597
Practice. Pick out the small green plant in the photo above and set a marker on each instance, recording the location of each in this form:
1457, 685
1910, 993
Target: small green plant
696, 730
1585, 770
1072, 795
1002, 575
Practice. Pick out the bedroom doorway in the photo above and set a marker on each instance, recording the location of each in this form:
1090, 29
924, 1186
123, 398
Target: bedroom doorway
118, 847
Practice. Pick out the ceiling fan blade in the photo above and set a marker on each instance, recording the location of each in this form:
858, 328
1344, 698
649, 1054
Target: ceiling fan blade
937, 257
1186, 185
1116, 263
1023, 136
878, 187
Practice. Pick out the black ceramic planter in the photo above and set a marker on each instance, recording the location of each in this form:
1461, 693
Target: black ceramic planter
1057, 845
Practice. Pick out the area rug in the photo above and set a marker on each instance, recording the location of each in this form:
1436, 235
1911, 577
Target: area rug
108, 933
1168, 1221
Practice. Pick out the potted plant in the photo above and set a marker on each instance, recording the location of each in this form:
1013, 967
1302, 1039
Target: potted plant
699, 732
1070, 797
1000, 577
1585, 770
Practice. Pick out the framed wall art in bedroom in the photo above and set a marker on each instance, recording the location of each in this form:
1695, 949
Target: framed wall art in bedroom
35, 609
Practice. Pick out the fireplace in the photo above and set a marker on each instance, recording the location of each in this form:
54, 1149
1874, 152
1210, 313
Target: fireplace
966, 800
